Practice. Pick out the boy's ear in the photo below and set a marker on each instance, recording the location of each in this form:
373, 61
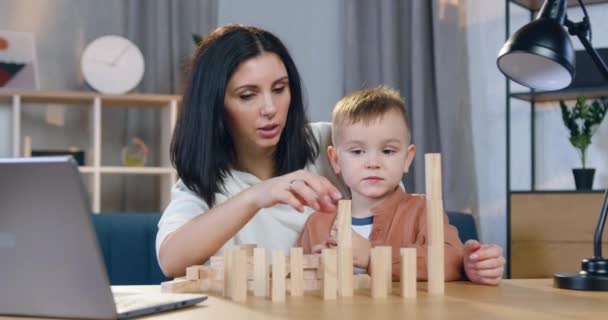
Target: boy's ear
332, 154
411, 152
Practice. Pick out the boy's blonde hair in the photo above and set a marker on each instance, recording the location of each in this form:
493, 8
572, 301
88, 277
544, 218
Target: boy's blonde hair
367, 105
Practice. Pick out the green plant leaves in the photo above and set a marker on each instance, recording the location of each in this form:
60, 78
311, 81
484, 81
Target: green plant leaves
582, 122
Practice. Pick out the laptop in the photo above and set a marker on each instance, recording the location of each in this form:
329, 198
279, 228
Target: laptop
50, 260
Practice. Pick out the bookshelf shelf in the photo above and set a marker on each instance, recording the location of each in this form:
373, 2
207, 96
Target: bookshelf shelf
94, 170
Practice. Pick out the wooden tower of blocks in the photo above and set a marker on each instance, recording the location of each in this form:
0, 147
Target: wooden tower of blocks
408, 272
434, 214
345, 249
245, 268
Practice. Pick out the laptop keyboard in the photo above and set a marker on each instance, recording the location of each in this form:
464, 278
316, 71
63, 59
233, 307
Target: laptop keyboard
127, 302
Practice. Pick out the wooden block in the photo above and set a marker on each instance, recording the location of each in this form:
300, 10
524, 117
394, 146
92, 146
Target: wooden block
227, 269
311, 261
211, 273
312, 285
344, 223
362, 281
434, 213
27, 146
432, 162
320, 270
278, 276
206, 272
217, 272
219, 264
180, 286
345, 253
216, 261
238, 276
296, 272
310, 275
381, 261
436, 275
345, 271
248, 247
209, 285
309, 285
260, 278
388, 256
329, 260
201, 272
192, 273
408, 272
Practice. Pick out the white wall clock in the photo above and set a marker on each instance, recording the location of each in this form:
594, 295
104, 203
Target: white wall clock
112, 64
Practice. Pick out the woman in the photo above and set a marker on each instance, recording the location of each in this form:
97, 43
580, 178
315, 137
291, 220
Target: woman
244, 151
248, 161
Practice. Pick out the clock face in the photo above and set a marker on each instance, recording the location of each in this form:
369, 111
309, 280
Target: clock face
112, 64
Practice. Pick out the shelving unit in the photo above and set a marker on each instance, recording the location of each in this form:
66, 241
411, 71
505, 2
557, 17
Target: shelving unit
94, 169
566, 94
519, 202
534, 5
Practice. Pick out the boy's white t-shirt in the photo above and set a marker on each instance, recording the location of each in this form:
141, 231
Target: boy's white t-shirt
277, 227
363, 226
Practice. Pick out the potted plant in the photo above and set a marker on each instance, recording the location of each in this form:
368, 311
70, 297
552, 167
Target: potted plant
582, 122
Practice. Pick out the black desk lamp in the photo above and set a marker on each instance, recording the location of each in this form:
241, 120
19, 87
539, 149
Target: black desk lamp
540, 56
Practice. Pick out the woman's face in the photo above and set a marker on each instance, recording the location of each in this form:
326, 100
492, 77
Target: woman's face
257, 101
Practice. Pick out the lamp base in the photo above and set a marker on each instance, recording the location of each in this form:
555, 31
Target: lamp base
580, 281
593, 277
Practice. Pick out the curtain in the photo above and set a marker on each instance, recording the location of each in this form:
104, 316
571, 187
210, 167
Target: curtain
419, 48
163, 31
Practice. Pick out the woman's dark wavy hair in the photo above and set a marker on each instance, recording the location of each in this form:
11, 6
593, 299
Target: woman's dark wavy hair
202, 149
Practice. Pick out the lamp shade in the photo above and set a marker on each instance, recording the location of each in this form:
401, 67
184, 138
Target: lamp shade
539, 56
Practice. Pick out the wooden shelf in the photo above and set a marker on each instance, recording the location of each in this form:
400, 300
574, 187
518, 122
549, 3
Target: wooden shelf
137, 170
536, 4
557, 191
552, 232
168, 106
87, 98
86, 169
128, 170
566, 94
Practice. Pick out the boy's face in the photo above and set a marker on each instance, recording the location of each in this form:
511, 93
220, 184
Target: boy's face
372, 157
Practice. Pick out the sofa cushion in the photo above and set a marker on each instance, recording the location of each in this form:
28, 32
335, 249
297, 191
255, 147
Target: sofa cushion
127, 243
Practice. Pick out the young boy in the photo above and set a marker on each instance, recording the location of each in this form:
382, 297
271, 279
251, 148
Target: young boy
371, 151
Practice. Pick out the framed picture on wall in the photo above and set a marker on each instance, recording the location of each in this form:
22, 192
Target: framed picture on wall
18, 69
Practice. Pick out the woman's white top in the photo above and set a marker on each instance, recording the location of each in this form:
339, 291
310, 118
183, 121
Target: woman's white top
277, 227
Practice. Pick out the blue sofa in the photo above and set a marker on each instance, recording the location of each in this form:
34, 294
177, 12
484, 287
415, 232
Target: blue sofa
465, 223
127, 241
128, 244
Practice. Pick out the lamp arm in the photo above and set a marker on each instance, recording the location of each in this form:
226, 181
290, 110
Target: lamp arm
599, 229
580, 30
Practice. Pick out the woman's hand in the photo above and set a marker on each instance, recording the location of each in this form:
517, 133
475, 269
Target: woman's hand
483, 263
297, 189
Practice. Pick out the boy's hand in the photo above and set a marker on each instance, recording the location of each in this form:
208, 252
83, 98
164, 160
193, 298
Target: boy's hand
319, 247
361, 251
361, 247
483, 264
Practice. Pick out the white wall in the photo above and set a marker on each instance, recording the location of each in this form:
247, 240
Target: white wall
312, 32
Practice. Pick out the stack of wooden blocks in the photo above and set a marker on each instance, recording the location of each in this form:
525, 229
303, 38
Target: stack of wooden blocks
245, 268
